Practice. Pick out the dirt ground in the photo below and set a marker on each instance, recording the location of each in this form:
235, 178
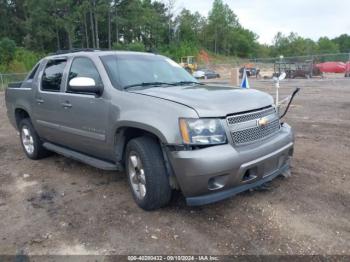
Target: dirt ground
60, 206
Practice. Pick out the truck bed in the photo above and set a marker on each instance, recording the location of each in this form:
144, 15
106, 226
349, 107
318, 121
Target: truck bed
17, 97
15, 85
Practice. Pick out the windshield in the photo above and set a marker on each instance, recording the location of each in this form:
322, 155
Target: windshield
127, 70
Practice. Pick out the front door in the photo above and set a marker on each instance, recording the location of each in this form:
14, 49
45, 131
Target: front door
85, 116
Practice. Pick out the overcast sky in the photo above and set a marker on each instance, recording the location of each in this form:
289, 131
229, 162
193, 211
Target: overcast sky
308, 18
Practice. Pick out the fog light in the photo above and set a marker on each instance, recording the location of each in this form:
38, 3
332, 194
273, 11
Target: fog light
217, 182
250, 174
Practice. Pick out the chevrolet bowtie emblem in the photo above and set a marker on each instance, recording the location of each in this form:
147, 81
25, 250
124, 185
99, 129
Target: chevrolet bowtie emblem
263, 122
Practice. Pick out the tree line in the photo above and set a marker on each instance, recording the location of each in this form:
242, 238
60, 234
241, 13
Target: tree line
44, 26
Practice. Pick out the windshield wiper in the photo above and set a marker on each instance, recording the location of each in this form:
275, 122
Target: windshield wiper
187, 83
149, 84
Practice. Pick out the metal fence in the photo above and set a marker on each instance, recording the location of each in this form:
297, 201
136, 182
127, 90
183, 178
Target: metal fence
9, 78
338, 57
268, 65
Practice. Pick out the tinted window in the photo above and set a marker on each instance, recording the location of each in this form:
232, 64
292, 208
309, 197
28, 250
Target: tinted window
32, 74
84, 67
52, 76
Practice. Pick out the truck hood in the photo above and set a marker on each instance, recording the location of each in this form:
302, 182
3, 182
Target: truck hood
211, 101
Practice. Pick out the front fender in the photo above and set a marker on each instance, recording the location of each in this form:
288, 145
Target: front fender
142, 126
157, 116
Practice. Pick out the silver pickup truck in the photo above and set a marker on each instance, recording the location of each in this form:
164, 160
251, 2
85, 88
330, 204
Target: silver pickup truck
143, 113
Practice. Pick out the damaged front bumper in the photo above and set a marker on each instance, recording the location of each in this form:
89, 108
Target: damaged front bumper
212, 174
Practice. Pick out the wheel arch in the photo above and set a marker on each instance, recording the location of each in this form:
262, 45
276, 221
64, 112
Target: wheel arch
20, 113
123, 134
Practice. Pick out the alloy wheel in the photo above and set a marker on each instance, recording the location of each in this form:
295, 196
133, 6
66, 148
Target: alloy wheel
27, 140
136, 174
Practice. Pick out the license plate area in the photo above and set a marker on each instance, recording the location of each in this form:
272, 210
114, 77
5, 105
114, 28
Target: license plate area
270, 166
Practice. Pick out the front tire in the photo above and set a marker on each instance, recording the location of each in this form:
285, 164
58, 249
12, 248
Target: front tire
147, 176
30, 141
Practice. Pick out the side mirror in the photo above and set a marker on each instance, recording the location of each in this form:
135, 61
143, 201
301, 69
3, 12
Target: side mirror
84, 85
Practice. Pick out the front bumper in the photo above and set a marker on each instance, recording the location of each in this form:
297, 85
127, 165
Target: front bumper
211, 174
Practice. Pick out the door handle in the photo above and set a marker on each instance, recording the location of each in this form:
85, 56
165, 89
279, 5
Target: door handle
39, 101
66, 105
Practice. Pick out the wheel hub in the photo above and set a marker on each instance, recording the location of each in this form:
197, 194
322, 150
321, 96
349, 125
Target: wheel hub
27, 140
137, 175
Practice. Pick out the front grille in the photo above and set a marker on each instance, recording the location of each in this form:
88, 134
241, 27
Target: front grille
256, 133
250, 116
245, 129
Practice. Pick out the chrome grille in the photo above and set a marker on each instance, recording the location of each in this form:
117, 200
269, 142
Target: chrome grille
245, 129
250, 116
253, 134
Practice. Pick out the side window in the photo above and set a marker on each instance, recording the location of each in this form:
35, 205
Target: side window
52, 76
32, 74
84, 67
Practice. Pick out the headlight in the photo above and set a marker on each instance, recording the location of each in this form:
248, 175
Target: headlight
208, 131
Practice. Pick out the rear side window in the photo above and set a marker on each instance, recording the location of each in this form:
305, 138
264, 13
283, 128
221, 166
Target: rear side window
84, 67
52, 76
32, 74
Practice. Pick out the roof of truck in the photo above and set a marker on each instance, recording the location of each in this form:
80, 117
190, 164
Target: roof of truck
93, 52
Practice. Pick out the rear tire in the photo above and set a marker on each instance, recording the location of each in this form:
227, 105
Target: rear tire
147, 176
30, 141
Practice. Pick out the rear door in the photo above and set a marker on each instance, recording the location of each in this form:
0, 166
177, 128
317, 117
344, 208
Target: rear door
30, 80
46, 104
85, 116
